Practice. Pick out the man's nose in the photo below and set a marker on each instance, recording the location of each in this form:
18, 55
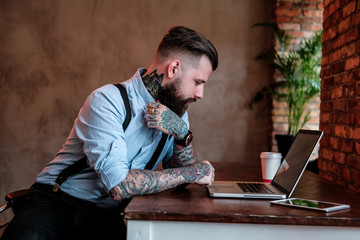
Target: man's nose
199, 93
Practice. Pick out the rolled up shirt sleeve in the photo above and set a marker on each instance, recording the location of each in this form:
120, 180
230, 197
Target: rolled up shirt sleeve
99, 127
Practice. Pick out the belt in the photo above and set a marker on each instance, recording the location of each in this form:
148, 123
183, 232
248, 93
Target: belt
47, 188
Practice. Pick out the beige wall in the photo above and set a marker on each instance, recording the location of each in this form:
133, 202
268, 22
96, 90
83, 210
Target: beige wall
54, 53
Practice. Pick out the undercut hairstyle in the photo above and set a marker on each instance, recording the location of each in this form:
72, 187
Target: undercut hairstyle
180, 39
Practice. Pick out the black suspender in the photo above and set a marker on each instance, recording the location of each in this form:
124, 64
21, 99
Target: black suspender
157, 152
76, 167
125, 98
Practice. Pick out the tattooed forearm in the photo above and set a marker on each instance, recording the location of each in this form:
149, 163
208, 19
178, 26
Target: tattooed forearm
140, 182
171, 122
160, 117
182, 157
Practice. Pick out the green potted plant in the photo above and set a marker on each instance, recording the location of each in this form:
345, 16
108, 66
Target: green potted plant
299, 69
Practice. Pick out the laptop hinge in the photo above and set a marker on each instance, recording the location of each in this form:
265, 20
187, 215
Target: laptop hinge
280, 188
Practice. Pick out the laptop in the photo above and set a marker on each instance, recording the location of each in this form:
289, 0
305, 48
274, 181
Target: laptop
286, 178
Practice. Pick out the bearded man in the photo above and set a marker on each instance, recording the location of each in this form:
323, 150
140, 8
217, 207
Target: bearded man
86, 205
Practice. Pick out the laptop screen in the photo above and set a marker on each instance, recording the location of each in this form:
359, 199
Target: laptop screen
296, 159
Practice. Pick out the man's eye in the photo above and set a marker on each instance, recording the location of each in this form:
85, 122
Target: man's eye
198, 83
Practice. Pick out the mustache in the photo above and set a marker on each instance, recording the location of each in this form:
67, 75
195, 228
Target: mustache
190, 100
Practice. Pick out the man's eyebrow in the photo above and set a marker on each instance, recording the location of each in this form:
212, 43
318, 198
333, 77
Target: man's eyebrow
200, 80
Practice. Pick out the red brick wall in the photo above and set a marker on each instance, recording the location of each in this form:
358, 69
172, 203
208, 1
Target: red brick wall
301, 18
339, 156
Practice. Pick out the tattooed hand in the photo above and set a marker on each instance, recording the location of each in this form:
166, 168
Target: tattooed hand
162, 118
203, 173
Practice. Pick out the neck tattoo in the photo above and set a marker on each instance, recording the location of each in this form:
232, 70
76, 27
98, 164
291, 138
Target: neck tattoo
153, 82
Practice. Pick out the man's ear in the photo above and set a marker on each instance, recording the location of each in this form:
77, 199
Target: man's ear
173, 69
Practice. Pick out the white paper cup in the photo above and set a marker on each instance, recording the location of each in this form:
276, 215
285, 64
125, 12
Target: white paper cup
270, 162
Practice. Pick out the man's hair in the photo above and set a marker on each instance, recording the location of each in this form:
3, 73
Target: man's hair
187, 41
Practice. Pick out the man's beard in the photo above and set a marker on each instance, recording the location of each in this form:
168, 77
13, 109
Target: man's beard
169, 96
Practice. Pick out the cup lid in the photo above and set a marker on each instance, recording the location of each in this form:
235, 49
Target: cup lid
270, 155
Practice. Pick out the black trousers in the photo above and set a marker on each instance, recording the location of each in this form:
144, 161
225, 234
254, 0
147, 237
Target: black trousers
53, 216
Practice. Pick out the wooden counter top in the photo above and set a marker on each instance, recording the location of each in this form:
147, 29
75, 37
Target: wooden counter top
194, 204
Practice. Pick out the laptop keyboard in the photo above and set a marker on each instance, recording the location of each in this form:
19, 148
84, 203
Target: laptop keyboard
254, 188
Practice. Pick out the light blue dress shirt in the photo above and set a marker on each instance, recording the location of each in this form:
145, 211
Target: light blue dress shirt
98, 133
